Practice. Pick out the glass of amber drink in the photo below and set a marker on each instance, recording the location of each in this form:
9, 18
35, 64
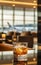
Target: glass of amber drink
20, 54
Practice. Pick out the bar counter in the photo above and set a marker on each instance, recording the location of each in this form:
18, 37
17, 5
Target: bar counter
7, 47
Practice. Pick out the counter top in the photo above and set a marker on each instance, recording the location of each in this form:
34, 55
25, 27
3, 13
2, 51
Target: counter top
7, 47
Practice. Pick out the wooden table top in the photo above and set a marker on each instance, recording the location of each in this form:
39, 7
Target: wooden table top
7, 47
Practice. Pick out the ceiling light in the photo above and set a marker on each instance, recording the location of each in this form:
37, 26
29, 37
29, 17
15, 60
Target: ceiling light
18, 3
34, 6
13, 5
34, 1
34, 59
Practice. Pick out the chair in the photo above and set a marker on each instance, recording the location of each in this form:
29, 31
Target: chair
26, 33
1, 38
9, 39
28, 39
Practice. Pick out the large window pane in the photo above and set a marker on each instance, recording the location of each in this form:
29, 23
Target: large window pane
30, 19
29, 16
29, 22
19, 16
0, 17
18, 22
7, 16
29, 11
10, 17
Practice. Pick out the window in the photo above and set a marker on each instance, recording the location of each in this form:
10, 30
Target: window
18, 16
7, 16
0, 17
29, 18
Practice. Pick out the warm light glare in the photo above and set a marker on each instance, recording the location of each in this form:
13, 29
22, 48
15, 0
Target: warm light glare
34, 59
34, 1
32, 62
19, 3
13, 5
34, 6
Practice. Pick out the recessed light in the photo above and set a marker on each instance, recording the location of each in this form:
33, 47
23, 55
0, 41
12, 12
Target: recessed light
34, 6
34, 59
13, 5
34, 1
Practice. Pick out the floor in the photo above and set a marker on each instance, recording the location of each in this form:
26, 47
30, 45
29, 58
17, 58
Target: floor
30, 62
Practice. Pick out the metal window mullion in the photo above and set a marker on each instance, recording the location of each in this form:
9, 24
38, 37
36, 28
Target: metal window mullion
24, 19
13, 15
34, 19
2, 18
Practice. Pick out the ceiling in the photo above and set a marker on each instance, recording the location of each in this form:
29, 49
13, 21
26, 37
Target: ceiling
29, 1
20, 3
